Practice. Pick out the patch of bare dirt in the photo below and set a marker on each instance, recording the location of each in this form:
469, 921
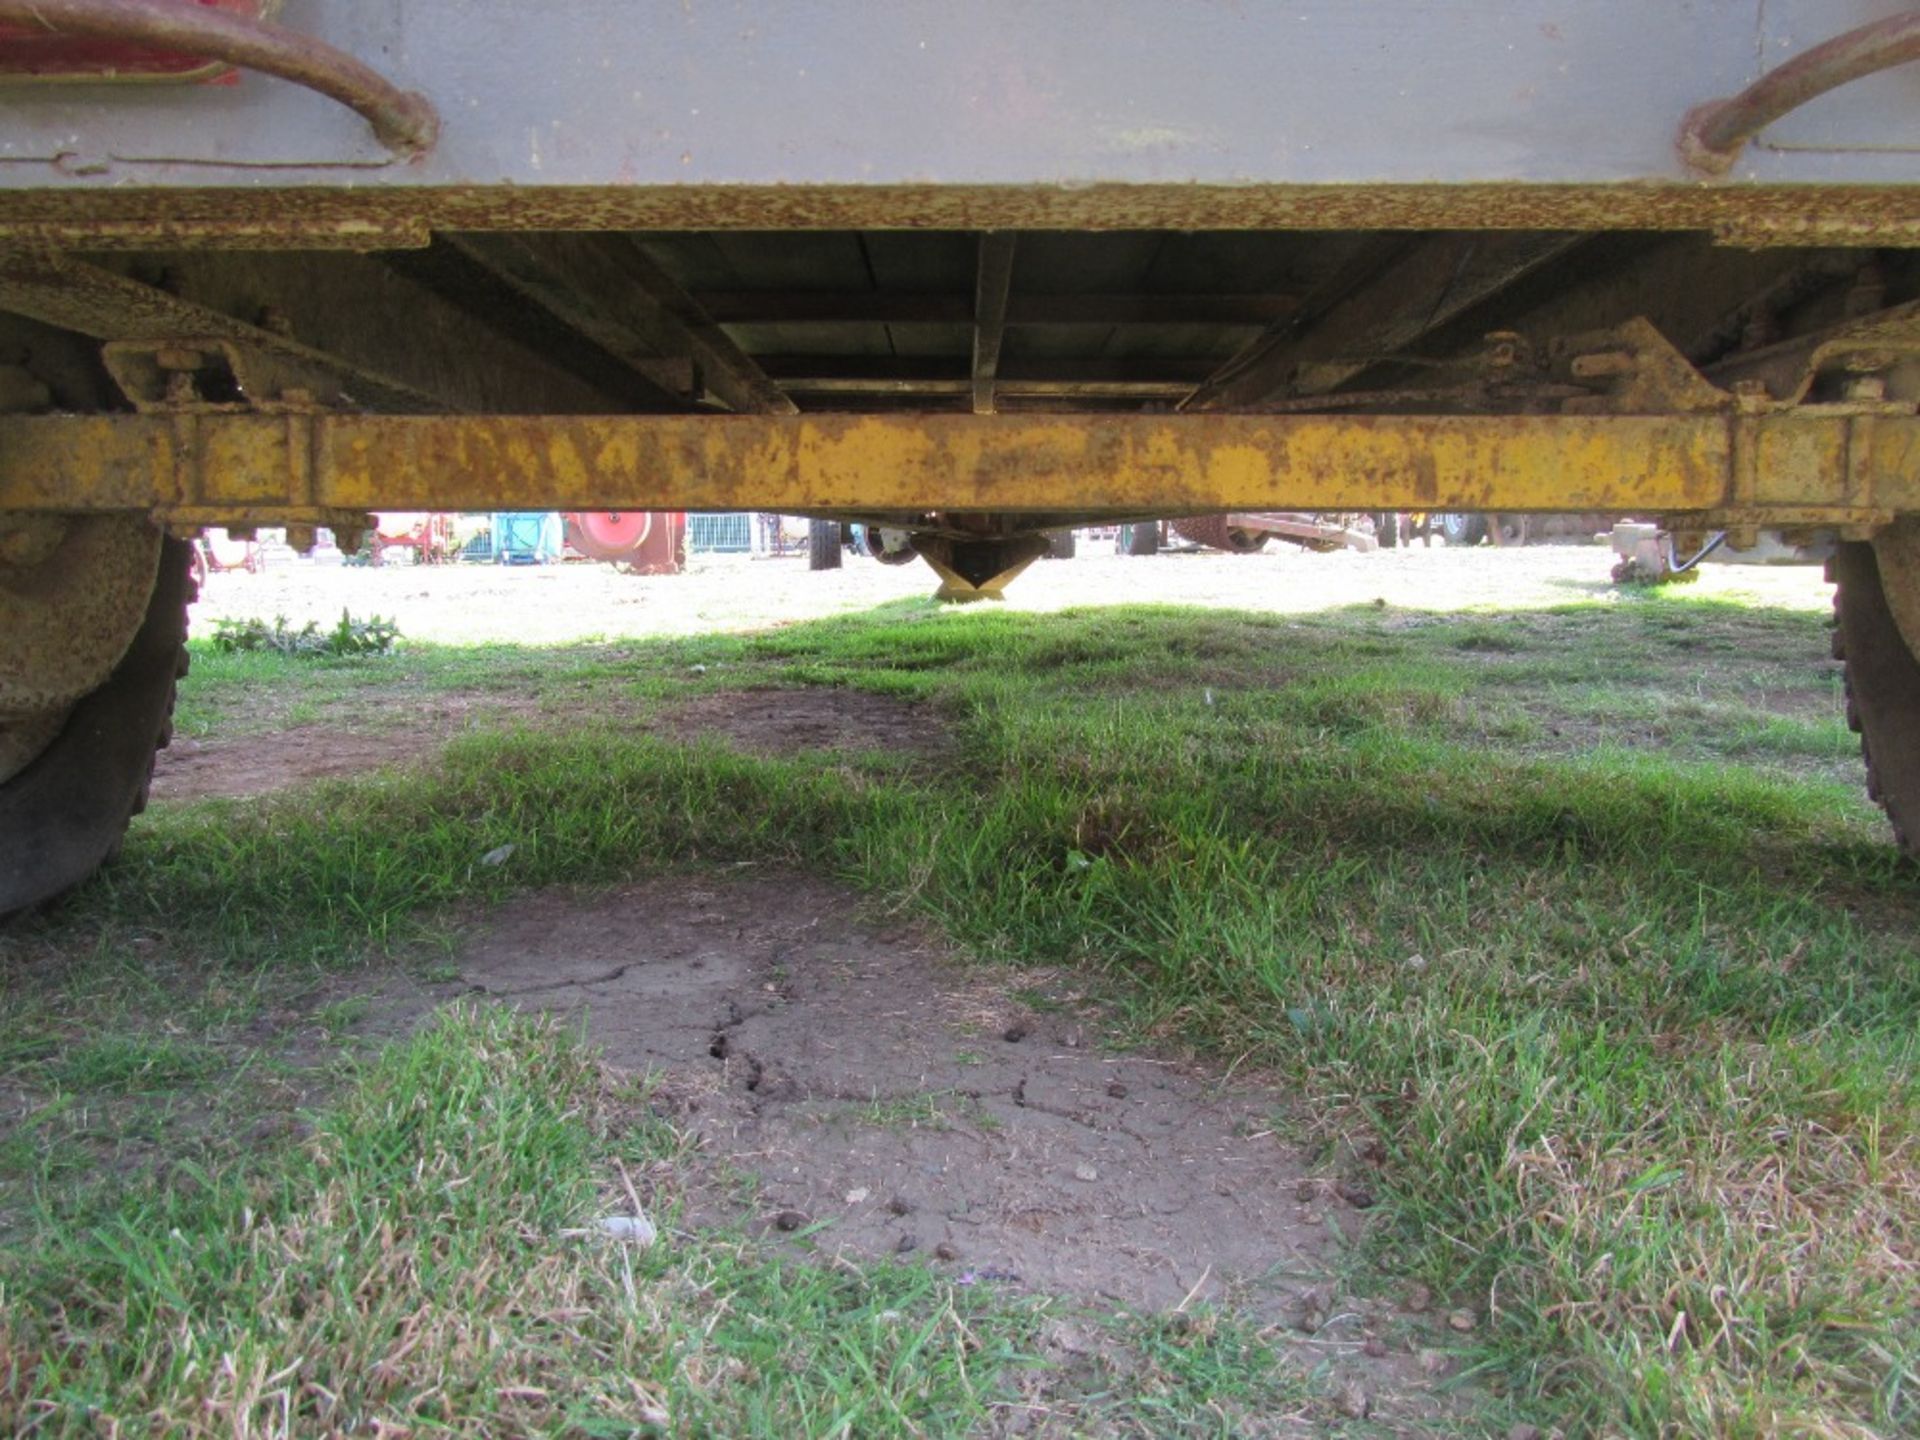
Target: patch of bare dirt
760, 722
191, 769
1801, 702
977, 1121
786, 722
873, 1084
260, 762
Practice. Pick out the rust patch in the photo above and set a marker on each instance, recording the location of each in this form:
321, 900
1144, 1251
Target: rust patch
97, 217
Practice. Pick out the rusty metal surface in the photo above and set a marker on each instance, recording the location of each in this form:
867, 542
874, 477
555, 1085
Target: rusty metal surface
76, 296
343, 217
1218, 532
390, 344
248, 225
73, 592
1316, 532
1886, 342
978, 569
1632, 369
778, 114
1243, 532
402, 120
993, 285
1813, 465
605, 288
1431, 283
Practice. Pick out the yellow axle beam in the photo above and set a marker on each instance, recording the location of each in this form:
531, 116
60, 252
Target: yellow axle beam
1805, 466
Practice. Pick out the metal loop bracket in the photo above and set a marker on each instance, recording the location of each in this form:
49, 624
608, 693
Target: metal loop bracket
1712, 135
402, 120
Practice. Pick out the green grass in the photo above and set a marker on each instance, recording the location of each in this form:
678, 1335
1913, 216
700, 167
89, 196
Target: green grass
428, 1260
1646, 1100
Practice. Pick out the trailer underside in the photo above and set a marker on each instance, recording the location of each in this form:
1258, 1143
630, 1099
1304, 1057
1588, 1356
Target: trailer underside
967, 390
965, 281
1125, 373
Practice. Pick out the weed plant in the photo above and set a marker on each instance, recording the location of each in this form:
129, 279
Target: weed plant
373, 636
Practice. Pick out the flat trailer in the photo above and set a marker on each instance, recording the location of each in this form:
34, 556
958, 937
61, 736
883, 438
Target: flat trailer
969, 272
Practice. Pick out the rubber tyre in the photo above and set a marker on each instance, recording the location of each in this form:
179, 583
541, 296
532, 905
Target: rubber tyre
1142, 538
1883, 688
823, 545
64, 815
1461, 529
1061, 544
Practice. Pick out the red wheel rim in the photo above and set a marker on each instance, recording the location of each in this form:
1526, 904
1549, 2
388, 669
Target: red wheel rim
611, 534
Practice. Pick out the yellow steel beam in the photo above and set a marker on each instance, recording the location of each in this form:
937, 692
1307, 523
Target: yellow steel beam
1803, 466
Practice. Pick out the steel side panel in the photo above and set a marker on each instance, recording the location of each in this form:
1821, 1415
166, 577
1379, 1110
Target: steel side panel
1121, 464
624, 95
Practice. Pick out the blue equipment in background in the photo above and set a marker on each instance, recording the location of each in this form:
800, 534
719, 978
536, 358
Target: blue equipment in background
527, 537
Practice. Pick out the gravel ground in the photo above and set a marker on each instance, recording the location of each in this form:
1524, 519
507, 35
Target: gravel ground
464, 604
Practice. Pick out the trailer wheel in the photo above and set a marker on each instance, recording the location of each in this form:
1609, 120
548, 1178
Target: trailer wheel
1457, 528
65, 812
1883, 688
823, 545
1141, 538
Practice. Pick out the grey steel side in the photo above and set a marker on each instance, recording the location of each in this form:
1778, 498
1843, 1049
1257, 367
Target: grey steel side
638, 100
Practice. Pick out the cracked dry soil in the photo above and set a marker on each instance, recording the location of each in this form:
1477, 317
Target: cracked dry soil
833, 1062
890, 1101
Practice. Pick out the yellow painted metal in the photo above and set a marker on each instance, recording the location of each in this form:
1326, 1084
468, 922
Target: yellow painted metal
1810, 465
